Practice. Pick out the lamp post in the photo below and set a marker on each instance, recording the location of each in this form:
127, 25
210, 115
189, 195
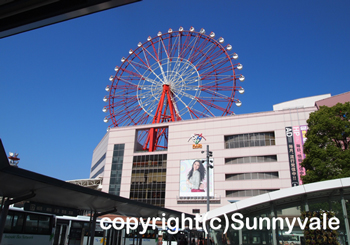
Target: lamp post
209, 166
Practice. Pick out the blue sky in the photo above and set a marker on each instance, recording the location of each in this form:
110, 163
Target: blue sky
53, 78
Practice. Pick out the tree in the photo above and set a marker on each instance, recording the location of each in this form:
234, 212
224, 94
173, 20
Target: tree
325, 236
327, 147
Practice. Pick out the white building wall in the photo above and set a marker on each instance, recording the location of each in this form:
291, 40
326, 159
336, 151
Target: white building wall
99, 151
214, 130
302, 102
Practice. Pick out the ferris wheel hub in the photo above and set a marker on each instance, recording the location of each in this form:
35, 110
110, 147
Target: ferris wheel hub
179, 74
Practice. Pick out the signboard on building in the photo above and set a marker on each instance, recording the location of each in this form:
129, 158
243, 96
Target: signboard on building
291, 156
299, 152
193, 178
51, 209
196, 139
296, 137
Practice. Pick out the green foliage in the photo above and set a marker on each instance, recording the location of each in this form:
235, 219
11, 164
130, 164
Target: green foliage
319, 236
327, 147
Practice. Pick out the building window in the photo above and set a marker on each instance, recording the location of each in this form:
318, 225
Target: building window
247, 193
98, 163
98, 172
250, 176
250, 140
116, 169
148, 179
143, 142
251, 159
196, 211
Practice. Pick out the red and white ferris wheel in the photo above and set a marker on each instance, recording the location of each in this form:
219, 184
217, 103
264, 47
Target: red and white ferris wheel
174, 76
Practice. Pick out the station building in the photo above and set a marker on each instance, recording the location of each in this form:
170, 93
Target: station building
253, 154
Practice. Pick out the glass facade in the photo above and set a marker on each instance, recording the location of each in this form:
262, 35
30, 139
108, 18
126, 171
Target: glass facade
250, 140
98, 163
98, 172
116, 169
143, 143
250, 176
148, 179
251, 159
247, 193
271, 222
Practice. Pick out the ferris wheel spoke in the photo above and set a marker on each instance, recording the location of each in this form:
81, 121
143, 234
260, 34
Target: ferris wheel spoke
186, 95
174, 45
201, 113
200, 48
179, 39
160, 52
217, 71
155, 74
150, 80
145, 64
202, 104
196, 48
185, 45
126, 80
165, 50
185, 71
222, 88
154, 51
139, 115
218, 82
132, 73
216, 62
168, 69
212, 105
158, 62
215, 93
178, 98
218, 77
177, 112
149, 102
207, 58
124, 95
184, 111
141, 66
133, 118
205, 52
188, 49
121, 113
209, 63
126, 87
121, 104
145, 90
162, 71
177, 68
153, 107
145, 54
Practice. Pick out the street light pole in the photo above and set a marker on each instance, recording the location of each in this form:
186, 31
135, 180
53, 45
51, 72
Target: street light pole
209, 166
208, 179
